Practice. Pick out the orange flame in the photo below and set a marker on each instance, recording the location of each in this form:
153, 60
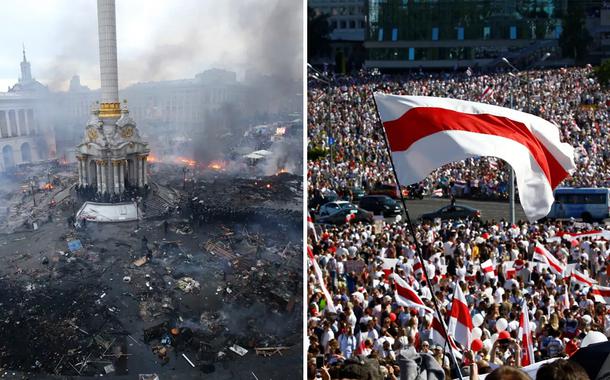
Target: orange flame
282, 170
187, 162
152, 159
47, 186
280, 131
217, 165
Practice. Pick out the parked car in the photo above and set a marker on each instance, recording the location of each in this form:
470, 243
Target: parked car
357, 193
320, 199
333, 207
380, 205
341, 217
452, 212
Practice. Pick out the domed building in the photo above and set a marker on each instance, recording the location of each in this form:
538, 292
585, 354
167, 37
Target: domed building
26, 132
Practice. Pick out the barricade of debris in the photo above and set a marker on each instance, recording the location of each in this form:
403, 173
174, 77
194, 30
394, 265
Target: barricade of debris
218, 279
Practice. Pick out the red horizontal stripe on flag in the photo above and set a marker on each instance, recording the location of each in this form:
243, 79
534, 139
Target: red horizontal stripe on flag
408, 294
551, 260
582, 279
459, 311
420, 122
603, 293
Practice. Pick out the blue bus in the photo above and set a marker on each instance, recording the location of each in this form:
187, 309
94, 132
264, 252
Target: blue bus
589, 204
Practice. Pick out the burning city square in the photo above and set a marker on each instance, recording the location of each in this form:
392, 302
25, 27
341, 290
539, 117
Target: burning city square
157, 236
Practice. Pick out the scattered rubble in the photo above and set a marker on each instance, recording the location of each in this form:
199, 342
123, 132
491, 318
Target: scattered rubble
187, 284
92, 300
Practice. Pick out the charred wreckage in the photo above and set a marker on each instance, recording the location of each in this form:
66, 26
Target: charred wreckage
210, 275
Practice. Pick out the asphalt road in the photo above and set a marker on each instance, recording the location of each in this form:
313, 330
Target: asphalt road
489, 210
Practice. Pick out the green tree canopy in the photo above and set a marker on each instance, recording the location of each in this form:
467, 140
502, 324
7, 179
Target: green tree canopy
575, 38
318, 34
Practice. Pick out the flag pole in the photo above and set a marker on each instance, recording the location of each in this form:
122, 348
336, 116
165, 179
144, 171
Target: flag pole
447, 335
418, 249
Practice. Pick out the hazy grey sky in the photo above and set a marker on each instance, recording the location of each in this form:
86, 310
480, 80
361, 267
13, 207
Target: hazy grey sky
157, 39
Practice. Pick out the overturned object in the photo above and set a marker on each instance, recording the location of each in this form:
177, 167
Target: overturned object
108, 212
238, 350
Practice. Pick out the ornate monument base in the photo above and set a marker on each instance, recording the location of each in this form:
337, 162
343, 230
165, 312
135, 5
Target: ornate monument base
112, 155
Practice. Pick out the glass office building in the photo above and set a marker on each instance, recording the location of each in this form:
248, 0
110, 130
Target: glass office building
449, 33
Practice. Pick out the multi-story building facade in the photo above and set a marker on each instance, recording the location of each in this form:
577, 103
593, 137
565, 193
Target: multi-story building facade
25, 133
459, 33
347, 19
37, 124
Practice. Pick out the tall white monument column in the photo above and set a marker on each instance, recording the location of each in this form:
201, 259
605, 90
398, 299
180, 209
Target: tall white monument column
111, 119
106, 25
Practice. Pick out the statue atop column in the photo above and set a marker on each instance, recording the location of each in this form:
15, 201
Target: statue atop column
112, 154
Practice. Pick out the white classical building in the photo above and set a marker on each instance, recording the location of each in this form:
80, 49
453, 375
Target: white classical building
24, 135
112, 154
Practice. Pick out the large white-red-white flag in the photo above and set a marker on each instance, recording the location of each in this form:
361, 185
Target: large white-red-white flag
488, 92
406, 296
488, 269
311, 227
388, 265
541, 254
460, 323
438, 336
525, 334
601, 294
316, 268
425, 133
581, 279
508, 267
571, 236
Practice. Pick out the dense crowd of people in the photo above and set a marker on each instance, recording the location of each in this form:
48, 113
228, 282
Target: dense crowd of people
364, 327
369, 321
571, 98
90, 193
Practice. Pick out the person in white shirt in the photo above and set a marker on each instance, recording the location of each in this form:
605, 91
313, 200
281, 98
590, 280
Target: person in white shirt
347, 343
327, 336
425, 291
386, 351
448, 248
371, 333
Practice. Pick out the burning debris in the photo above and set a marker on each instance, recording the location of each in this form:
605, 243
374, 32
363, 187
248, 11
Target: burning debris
217, 165
220, 269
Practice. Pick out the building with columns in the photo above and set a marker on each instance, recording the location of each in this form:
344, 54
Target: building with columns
112, 155
23, 139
